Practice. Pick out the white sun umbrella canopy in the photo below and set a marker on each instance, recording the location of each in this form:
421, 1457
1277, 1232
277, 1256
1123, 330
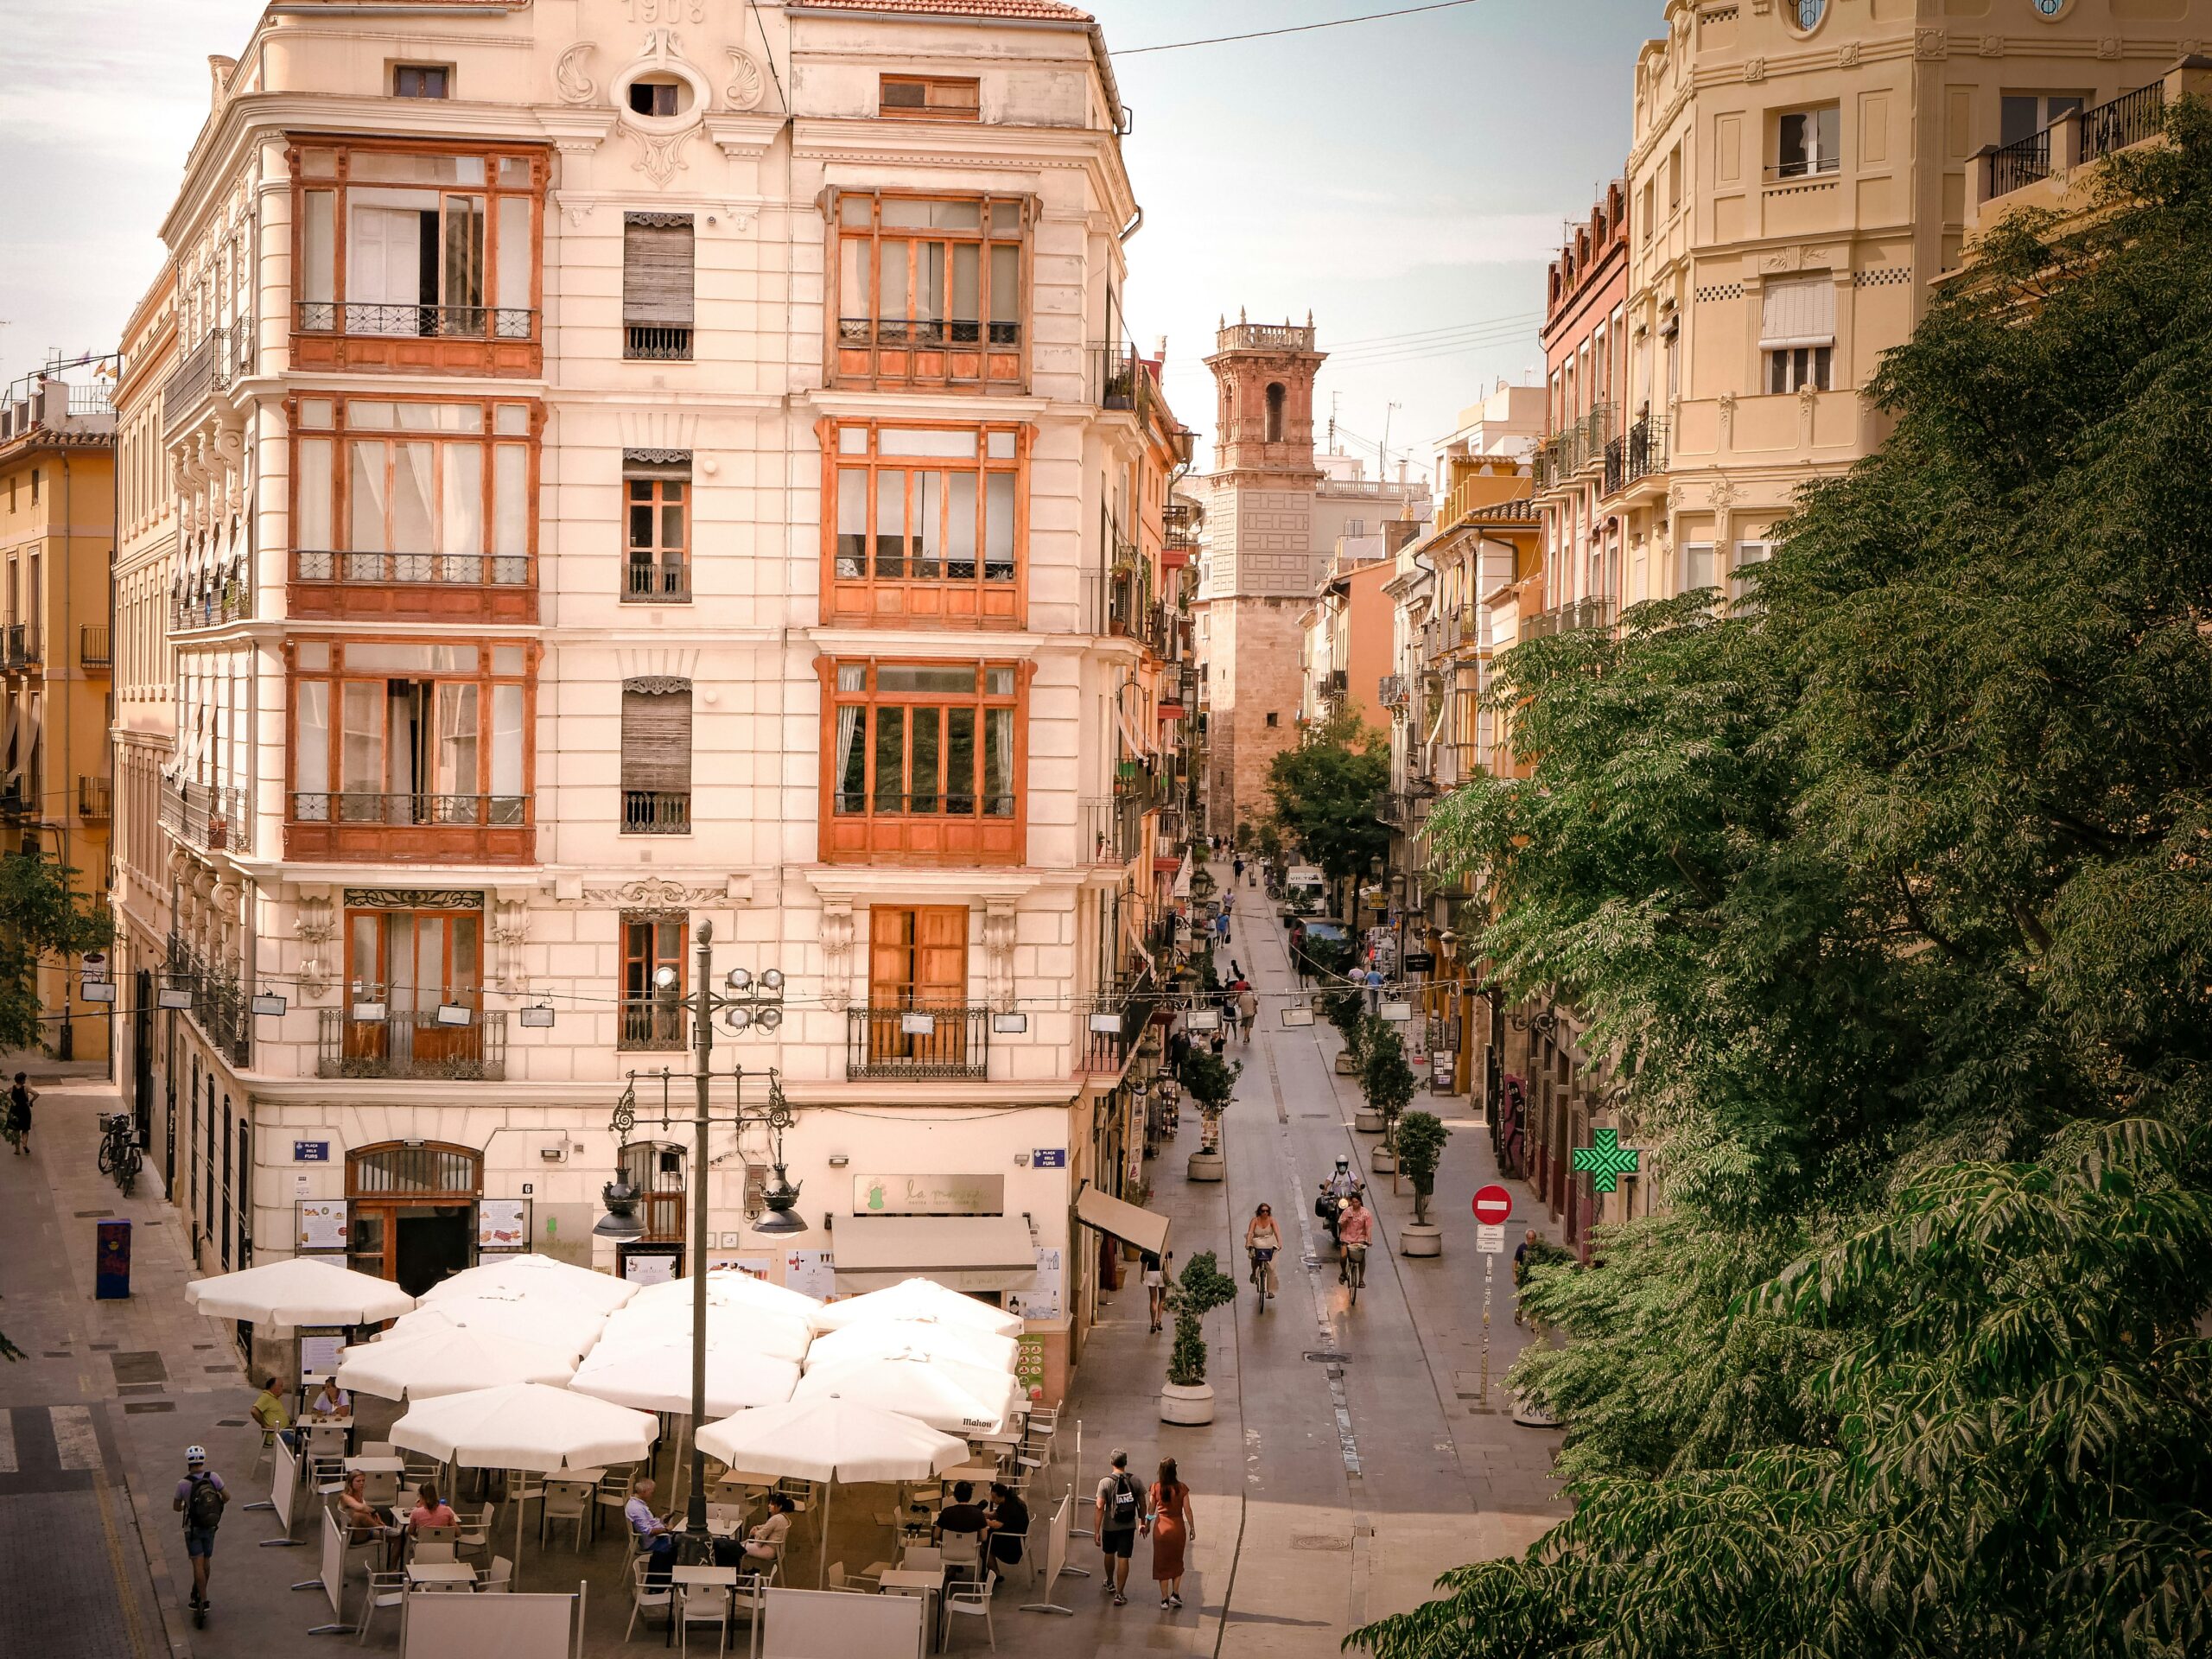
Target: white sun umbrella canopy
945, 1393
729, 1288
777, 1336
525, 1425
658, 1378
832, 1438
572, 1330
883, 1338
536, 1278
430, 1361
300, 1290
917, 1299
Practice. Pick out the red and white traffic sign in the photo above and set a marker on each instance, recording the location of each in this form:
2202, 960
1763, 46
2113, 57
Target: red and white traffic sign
1493, 1206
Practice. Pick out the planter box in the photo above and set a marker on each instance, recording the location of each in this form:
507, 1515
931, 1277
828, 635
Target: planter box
1343, 1063
1206, 1166
1367, 1122
1382, 1162
1190, 1407
1420, 1238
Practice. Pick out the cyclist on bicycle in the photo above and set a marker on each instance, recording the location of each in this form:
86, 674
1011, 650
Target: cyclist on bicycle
1355, 1231
1262, 1243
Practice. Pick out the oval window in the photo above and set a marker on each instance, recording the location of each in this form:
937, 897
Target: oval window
2050, 8
1810, 13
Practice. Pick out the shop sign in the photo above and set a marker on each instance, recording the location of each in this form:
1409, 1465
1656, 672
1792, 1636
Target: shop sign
310, 1152
929, 1195
1420, 962
1049, 1158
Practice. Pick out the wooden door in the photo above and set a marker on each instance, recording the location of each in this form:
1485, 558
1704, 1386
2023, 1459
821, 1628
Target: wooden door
918, 960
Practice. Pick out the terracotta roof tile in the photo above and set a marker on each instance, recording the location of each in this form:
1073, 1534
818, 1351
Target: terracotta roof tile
1049, 10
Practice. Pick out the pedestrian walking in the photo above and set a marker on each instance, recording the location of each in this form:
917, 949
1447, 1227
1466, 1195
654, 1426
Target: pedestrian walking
1172, 1530
1520, 1254
1236, 868
1221, 925
1179, 1051
200, 1499
20, 1099
1121, 1504
1155, 1287
1248, 1009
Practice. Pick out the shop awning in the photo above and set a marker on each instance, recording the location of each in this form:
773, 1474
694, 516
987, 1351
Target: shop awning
965, 1253
1146, 1229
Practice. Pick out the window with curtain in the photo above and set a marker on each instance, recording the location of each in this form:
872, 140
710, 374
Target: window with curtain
393, 734
1797, 333
924, 759
927, 523
930, 288
414, 491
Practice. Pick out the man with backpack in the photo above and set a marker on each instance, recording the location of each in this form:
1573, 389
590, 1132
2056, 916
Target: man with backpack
1121, 1516
200, 1500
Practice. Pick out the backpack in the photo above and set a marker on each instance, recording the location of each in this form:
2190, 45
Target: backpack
1122, 1512
203, 1505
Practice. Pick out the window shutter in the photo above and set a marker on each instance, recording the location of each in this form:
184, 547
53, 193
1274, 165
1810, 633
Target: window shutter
656, 736
656, 252
1798, 313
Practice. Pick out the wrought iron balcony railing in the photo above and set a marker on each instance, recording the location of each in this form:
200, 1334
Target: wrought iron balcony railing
1110, 832
1638, 452
668, 582
412, 1043
403, 320
362, 806
1593, 612
434, 569
1117, 1018
655, 812
94, 645
221, 1005
921, 1043
217, 819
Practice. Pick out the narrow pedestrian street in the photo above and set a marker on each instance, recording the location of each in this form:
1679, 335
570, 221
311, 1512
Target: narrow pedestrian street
1352, 1457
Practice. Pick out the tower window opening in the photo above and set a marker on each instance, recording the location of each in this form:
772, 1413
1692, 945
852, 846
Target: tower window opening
1274, 431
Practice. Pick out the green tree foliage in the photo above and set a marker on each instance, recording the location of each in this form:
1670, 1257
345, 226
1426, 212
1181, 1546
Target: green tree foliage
1347, 1012
1328, 796
1384, 1076
39, 917
1209, 1079
1198, 1289
1890, 892
1420, 1140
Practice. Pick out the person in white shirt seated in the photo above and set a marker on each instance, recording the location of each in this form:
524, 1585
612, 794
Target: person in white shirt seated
330, 1403
764, 1545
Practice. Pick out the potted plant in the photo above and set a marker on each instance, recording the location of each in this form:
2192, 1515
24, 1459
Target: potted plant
1210, 1081
1387, 1083
1197, 1290
1420, 1140
1347, 1011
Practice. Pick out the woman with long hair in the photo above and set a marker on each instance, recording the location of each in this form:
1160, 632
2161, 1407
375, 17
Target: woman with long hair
1173, 1529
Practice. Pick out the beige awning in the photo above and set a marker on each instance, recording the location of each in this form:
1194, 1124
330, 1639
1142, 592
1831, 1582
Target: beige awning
1146, 1229
966, 1253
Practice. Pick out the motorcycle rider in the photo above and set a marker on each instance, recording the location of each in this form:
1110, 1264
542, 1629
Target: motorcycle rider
1341, 1185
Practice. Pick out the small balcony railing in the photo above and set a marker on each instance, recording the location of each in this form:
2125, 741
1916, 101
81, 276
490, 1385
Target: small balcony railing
1393, 692
1178, 524
1109, 831
925, 1043
221, 1005
405, 321
361, 806
211, 602
927, 334
1593, 612
19, 647
412, 1043
2020, 163
2128, 120
668, 582
216, 819
1115, 595
652, 1022
437, 570
1638, 452
94, 645
206, 368
95, 799
655, 812
1117, 1018
19, 798
656, 343
1123, 380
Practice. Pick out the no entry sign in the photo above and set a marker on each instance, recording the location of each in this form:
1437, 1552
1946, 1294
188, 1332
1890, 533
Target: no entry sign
1493, 1206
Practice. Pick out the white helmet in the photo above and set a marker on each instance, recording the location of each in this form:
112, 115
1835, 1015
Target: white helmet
1343, 1162
195, 1455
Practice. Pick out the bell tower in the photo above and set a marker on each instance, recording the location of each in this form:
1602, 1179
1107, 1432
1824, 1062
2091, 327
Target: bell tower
1264, 374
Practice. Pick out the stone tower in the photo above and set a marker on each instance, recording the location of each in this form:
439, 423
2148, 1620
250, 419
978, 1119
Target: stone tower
1264, 558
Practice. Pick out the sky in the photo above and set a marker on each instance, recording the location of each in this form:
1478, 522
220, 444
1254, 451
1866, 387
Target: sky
1405, 179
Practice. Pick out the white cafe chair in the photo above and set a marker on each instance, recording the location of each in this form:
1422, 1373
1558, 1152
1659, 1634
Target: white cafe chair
643, 1597
385, 1590
973, 1600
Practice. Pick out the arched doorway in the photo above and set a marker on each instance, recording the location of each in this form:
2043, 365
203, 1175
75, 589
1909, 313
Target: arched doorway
411, 1210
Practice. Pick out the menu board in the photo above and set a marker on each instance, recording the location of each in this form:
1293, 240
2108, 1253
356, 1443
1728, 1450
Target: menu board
811, 1272
319, 1357
322, 1224
503, 1224
1029, 1365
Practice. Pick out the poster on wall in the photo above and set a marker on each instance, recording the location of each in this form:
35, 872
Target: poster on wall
1029, 1365
1042, 1299
502, 1224
322, 1224
811, 1272
319, 1357
650, 1264
753, 1267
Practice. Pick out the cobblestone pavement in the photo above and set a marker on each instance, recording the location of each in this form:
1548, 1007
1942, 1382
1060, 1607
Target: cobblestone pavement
1353, 1457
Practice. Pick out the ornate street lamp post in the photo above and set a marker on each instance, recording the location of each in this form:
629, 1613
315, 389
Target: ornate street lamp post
746, 1003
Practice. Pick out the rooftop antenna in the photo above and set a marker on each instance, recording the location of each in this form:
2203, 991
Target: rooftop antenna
1332, 423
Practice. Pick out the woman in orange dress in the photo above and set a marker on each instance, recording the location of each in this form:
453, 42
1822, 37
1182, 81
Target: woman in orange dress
1173, 1529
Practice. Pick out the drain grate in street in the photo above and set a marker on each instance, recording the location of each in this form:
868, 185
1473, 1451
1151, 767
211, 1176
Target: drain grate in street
141, 1368
201, 1347
93, 1215
104, 1347
136, 1407
1327, 1357
219, 1370
57, 1353
1317, 1541
229, 1422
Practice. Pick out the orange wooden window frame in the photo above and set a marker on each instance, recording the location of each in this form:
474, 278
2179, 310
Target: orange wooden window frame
651, 493
862, 352
853, 591
640, 963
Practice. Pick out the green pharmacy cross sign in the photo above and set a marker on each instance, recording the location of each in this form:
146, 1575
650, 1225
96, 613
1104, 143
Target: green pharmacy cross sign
1607, 1161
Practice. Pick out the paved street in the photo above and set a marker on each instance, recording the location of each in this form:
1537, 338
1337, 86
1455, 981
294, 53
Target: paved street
1351, 1461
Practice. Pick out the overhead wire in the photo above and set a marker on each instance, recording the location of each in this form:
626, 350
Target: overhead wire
1293, 28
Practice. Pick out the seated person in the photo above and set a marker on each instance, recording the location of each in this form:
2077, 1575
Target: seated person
430, 1510
659, 1543
268, 1410
964, 1514
364, 1520
1009, 1525
764, 1545
329, 1402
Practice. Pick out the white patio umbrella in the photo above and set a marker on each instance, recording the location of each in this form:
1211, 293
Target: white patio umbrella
916, 1299
831, 1440
775, 1335
942, 1393
730, 1288
430, 1361
300, 1290
533, 1278
881, 1339
658, 1377
570, 1330
525, 1425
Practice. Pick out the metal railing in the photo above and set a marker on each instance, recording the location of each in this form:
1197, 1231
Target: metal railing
217, 819
2128, 120
402, 321
1392, 692
928, 333
19, 796
211, 601
1123, 381
2020, 163
95, 798
656, 812
1115, 599
1179, 522
220, 1007
926, 1042
20, 645
363, 806
1129, 1002
1596, 612
654, 343
669, 582
1572, 448
433, 569
95, 648
1638, 452
652, 1022
1111, 830
412, 1043
1812, 166
214, 364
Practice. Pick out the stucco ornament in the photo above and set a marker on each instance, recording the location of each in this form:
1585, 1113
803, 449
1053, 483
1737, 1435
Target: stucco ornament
746, 82
1755, 69
837, 953
661, 138
571, 83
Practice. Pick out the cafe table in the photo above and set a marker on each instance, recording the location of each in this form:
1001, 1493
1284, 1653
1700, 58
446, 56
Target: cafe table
441, 1575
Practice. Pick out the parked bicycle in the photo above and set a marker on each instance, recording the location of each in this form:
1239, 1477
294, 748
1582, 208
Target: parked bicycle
120, 1154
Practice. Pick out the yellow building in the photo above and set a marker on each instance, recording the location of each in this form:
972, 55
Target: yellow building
57, 532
